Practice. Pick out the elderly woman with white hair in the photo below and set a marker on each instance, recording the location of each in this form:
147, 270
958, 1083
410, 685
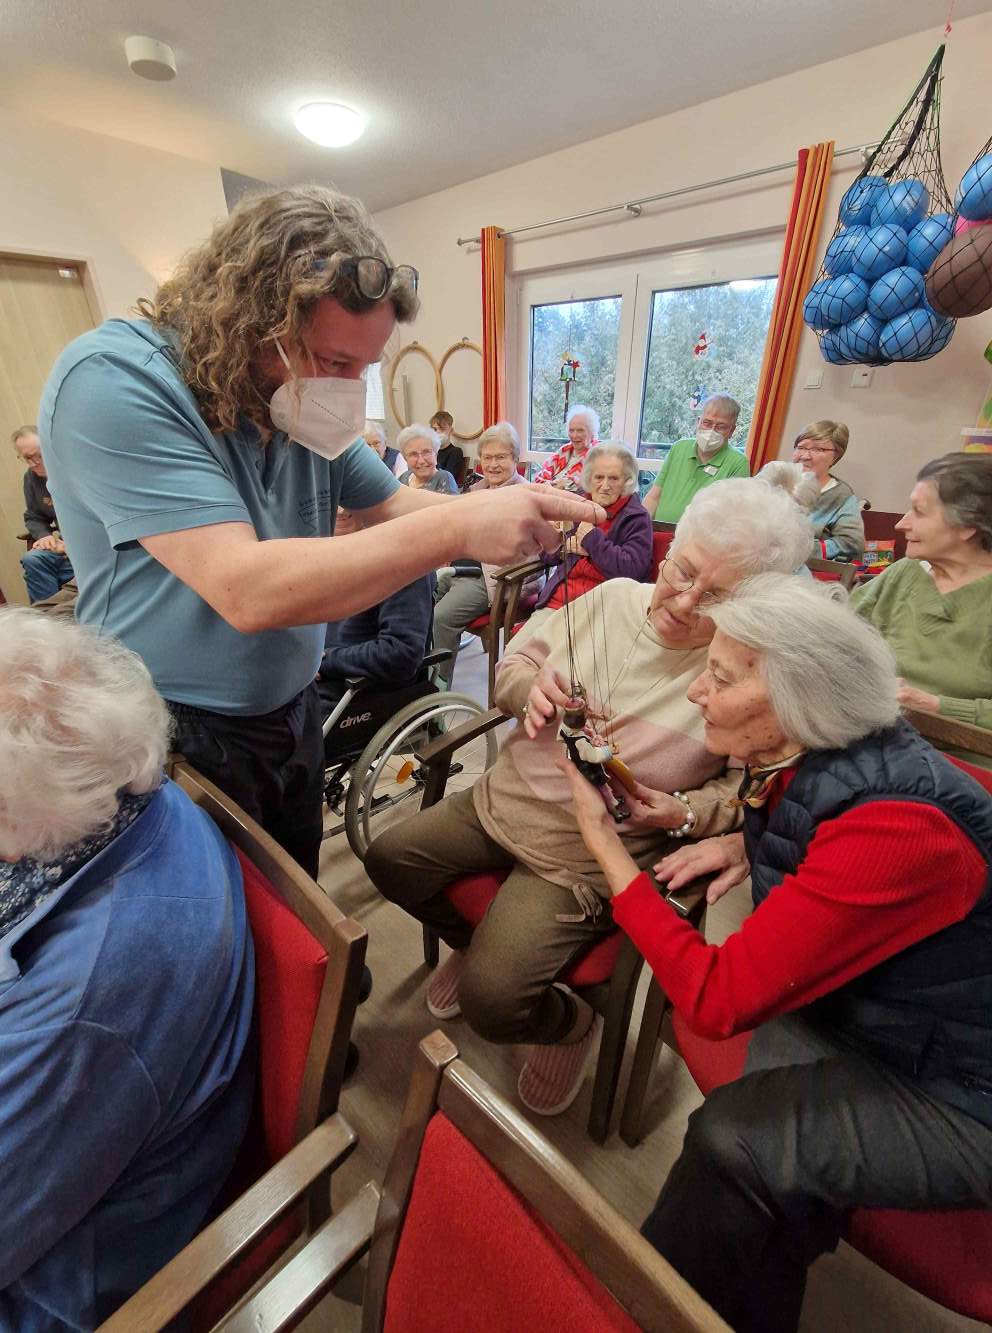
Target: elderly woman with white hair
618, 548
419, 445
375, 437
126, 983
866, 966
564, 468
634, 648
466, 592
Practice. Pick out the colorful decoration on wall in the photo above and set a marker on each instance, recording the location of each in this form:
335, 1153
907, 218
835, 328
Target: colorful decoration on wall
702, 347
870, 304
569, 374
697, 397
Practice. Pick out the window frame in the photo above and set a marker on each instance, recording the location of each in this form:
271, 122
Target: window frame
635, 280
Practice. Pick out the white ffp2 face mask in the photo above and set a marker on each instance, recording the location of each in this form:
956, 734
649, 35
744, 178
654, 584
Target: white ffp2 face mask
324, 414
709, 442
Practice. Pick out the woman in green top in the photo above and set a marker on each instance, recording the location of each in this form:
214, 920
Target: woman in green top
937, 617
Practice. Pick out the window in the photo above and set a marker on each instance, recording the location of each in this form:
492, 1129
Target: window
636, 328
586, 331
702, 340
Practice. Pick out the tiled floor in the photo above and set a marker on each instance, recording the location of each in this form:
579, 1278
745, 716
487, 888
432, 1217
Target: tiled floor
845, 1291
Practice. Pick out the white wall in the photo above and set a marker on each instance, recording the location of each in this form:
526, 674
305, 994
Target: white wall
129, 211
910, 413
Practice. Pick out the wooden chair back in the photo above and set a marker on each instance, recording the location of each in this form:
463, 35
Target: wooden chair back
341, 938
639, 1280
948, 733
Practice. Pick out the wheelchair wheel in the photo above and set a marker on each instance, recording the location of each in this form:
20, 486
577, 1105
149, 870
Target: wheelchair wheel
387, 782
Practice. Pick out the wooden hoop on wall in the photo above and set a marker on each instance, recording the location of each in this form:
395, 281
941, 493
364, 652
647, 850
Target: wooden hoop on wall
438, 386
464, 344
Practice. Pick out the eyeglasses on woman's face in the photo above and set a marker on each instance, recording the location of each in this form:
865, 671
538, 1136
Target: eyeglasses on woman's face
812, 449
679, 581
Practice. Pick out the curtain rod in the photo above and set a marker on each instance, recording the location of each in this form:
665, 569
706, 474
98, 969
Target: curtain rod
634, 206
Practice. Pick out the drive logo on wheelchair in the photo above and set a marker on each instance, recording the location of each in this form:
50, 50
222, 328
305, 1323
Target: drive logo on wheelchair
355, 720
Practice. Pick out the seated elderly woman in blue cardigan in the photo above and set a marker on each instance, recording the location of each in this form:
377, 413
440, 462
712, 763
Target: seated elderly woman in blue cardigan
126, 983
618, 548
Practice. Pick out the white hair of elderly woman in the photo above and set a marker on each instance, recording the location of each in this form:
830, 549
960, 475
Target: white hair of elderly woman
408, 434
587, 414
795, 481
80, 721
374, 428
830, 676
611, 449
502, 432
753, 526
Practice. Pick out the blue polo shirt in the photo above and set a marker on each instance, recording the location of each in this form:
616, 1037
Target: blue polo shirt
129, 456
126, 1066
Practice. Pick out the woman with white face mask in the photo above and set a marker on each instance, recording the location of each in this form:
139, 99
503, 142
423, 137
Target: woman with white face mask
198, 457
694, 464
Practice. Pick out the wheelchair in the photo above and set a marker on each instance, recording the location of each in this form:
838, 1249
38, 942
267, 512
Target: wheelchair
373, 737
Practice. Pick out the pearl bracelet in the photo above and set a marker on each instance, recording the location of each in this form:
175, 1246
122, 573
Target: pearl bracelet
690, 818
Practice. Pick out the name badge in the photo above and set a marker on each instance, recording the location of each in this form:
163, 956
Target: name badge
711, 471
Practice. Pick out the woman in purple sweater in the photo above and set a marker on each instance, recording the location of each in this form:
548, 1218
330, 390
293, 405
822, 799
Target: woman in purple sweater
619, 547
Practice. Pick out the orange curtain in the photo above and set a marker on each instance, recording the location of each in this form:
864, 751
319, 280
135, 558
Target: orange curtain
493, 327
782, 345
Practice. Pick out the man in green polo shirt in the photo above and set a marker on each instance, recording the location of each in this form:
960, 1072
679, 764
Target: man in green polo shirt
693, 464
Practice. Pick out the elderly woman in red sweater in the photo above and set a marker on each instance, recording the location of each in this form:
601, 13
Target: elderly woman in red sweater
866, 966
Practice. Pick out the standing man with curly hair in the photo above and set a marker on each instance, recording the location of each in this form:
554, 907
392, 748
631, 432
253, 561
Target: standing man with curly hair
197, 459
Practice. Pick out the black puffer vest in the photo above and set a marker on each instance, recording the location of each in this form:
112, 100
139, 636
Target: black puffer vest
927, 1012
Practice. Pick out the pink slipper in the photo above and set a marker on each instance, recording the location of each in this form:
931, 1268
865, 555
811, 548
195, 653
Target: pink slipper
442, 993
550, 1080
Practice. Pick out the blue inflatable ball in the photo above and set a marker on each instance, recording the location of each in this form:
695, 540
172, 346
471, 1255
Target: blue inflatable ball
880, 249
927, 239
896, 292
842, 299
840, 251
858, 340
915, 336
813, 306
974, 197
831, 350
859, 200
903, 204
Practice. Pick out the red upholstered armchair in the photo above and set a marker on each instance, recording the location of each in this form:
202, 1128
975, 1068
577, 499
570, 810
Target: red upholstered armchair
945, 1255
308, 968
481, 1225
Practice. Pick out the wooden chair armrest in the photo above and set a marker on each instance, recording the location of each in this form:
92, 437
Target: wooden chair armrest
218, 1245
523, 568
949, 731
445, 746
296, 1288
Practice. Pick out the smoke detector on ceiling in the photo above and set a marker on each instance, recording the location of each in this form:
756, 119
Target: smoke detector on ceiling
150, 59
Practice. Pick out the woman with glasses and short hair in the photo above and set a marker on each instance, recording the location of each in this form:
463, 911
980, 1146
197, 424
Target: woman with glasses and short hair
837, 518
635, 647
197, 459
465, 592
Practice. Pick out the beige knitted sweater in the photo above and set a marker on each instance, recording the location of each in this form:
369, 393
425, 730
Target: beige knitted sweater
523, 801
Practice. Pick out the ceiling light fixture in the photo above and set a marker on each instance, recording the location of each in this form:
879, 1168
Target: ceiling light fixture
150, 59
330, 124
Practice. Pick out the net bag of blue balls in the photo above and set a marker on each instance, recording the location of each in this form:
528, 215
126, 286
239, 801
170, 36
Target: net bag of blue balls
869, 304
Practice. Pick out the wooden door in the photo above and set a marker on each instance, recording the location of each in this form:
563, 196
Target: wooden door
43, 306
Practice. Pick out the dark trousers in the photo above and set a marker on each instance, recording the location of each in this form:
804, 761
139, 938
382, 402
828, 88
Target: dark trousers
771, 1164
272, 765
